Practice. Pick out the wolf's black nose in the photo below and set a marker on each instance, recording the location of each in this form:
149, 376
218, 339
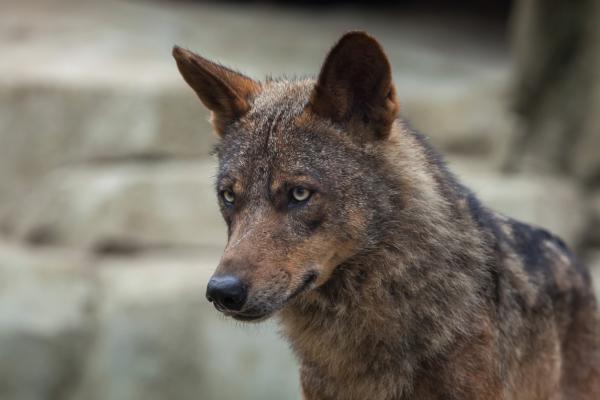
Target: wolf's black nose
227, 292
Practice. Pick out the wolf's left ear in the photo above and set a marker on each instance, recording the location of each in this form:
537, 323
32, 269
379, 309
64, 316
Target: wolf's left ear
225, 92
355, 87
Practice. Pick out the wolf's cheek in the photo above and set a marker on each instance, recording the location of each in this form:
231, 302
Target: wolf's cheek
312, 262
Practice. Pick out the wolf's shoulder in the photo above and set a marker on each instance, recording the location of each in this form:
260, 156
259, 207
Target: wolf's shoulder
539, 262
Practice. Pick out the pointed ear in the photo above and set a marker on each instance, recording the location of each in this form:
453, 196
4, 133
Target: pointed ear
225, 92
355, 87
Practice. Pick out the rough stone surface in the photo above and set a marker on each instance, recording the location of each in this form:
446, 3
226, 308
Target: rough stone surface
72, 125
451, 124
556, 56
586, 151
593, 262
593, 232
46, 306
124, 207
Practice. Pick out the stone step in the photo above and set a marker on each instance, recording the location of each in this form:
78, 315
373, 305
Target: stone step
594, 223
46, 127
593, 262
123, 207
158, 338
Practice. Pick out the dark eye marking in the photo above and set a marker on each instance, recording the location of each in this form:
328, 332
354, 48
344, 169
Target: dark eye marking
314, 224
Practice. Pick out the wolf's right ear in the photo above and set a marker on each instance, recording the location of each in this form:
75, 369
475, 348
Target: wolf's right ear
225, 92
355, 88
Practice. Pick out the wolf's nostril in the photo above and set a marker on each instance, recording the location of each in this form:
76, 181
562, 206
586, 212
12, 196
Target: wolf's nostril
229, 302
228, 292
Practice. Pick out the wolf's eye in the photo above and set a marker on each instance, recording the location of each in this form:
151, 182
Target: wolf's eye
300, 194
228, 196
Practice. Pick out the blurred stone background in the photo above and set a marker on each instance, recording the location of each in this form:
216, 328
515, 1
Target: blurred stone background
108, 222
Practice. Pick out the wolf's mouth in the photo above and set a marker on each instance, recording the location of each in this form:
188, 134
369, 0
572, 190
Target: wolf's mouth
241, 316
249, 317
308, 280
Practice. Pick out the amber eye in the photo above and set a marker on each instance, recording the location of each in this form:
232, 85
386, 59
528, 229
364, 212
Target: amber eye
300, 194
228, 196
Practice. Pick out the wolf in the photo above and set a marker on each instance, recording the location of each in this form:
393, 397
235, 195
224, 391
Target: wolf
389, 278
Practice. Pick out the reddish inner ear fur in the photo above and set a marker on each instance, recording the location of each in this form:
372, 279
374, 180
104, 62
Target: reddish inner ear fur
355, 86
225, 92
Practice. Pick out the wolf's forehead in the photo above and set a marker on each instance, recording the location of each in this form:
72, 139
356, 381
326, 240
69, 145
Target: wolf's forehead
271, 123
268, 138
278, 104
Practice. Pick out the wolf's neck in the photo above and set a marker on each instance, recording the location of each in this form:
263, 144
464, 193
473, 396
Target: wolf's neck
380, 321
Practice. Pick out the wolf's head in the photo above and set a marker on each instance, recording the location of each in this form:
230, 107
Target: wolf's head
301, 178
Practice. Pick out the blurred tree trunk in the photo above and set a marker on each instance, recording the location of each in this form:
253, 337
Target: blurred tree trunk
557, 87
